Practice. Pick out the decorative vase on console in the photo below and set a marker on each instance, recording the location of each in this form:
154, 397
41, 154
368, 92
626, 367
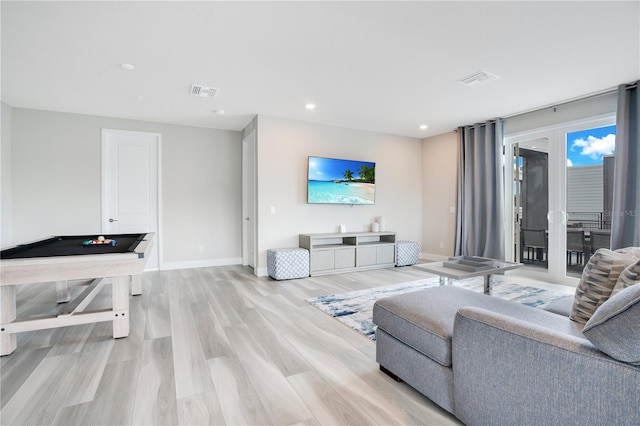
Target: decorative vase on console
382, 223
375, 227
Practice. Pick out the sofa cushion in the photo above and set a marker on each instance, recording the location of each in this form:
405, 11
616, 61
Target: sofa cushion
424, 319
599, 278
613, 328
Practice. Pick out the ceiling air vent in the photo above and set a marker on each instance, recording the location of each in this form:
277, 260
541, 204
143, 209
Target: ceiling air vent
203, 91
478, 78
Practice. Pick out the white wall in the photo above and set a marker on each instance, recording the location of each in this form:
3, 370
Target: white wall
439, 181
283, 147
55, 166
6, 234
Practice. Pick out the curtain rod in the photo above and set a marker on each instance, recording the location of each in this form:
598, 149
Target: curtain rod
570, 101
595, 95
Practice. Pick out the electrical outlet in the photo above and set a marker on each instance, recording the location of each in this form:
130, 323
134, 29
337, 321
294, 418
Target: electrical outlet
441, 244
201, 248
273, 209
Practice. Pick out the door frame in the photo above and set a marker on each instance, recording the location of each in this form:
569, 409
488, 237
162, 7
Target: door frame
557, 149
158, 178
249, 192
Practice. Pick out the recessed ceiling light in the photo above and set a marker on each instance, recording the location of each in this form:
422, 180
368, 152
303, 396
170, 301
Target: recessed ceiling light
127, 67
218, 111
310, 106
423, 126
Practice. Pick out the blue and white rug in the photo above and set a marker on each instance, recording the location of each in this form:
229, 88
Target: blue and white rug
355, 308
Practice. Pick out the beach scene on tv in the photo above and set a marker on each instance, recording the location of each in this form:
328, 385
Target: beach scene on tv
335, 181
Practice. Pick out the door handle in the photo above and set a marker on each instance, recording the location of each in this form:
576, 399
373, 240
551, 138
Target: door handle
113, 220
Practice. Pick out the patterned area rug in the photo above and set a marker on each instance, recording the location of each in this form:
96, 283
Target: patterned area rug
355, 307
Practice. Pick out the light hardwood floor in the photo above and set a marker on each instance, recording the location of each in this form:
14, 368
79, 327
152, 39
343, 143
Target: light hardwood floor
209, 346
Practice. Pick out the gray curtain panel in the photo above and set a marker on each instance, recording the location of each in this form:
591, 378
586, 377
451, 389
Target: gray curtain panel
480, 224
625, 220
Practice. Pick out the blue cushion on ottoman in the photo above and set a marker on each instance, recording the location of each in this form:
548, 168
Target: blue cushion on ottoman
288, 263
407, 253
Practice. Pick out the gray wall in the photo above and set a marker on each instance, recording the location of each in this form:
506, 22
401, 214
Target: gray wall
6, 230
55, 181
282, 149
439, 181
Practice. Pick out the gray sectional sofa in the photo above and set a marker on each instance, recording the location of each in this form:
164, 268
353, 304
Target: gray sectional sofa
494, 362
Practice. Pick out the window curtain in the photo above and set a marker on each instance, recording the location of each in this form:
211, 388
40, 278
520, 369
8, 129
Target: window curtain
625, 220
479, 222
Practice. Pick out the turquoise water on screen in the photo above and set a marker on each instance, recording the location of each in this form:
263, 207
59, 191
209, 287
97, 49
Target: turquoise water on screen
341, 193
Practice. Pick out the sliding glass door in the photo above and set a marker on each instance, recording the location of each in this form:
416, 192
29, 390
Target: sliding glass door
558, 191
589, 185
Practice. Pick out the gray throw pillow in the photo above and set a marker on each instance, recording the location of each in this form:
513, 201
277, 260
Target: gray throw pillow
599, 278
614, 326
628, 277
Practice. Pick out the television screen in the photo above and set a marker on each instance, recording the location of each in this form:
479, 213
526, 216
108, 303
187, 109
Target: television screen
335, 181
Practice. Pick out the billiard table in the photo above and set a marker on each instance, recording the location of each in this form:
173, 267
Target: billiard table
59, 259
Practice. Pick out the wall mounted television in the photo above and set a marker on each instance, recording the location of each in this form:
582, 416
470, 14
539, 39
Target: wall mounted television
336, 181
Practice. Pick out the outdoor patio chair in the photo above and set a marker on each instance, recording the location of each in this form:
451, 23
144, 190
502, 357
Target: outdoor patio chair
535, 243
576, 243
599, 239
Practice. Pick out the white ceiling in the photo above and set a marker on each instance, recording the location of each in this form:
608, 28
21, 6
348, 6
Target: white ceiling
380, 66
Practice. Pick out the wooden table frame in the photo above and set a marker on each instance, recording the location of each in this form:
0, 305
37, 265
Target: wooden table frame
58, 270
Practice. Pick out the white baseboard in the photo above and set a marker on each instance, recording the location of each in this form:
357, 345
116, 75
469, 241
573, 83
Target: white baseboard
433, 257
261, 272
189, 264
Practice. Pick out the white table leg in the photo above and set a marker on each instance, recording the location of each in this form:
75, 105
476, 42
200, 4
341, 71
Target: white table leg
8, 314
136, 285
62, 291
120, 296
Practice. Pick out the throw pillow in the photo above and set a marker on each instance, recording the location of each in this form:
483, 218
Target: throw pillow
597, 282
631, 275
613, 328
628, 277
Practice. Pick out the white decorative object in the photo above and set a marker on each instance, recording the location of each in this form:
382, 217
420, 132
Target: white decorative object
343, 229
375, 227
382, 222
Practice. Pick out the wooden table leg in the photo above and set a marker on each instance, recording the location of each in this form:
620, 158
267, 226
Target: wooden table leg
488, 280
62, 291
8, 314
136, 285
120, 296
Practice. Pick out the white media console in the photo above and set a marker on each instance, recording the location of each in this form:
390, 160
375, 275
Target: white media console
349, 251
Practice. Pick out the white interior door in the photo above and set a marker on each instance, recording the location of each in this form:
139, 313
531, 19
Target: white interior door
248, 200
130, 183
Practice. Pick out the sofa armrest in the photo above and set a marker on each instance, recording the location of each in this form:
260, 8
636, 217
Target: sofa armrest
508, 371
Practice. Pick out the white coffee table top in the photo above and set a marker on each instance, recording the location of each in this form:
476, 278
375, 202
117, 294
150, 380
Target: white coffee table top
439, 268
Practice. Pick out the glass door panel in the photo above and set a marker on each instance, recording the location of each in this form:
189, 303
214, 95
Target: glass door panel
530, 177
590, 157
560, 182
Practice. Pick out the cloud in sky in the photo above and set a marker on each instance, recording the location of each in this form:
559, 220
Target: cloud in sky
595, 147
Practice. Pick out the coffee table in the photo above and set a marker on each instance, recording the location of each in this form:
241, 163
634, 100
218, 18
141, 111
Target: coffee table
439, 268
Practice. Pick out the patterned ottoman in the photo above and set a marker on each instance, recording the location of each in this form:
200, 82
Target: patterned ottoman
407, 253
288, 263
